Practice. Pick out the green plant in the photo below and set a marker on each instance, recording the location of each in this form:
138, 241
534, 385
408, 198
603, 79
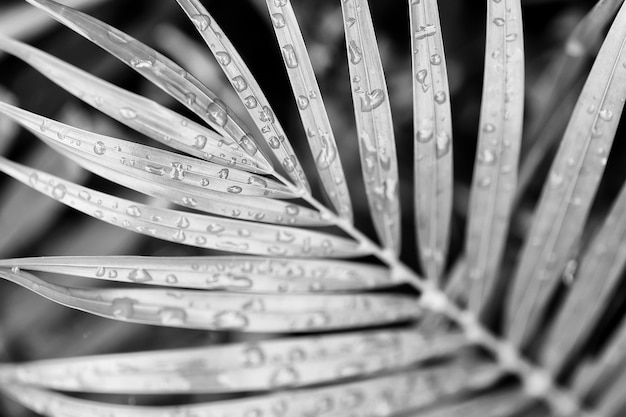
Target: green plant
437, 347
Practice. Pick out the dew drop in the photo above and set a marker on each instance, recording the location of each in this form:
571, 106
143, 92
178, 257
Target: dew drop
223, 58
425, 31
253, 356
234, 189
248, 144
201, 21
59, 191
303, 102
177, 173
280, 3
489, 128
487, 157
182, 223
266, 115
171, 279
435, 59
122, 308
290, 57
278, 20
139, 275
100, 271
605, 114
289, 163
292, 210
440, 97
33, 179
317, 320
99, 148
200, 142
511, 37
372, 99
284, 376
172, 316
217, 114
274, 142
190, 201
250, 102
179, 236
355, 52
230, 320
156, 170
128, 113
223, 173
239, 83
84, 195
498, 21
443, 144
424, 135
214, 228
257, 182
133, 211
142, 62
421, 75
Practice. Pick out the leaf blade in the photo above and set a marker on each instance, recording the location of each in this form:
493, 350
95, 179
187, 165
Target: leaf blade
432, 130
373, 122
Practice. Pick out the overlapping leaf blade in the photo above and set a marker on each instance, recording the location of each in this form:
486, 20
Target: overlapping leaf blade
137, 112
312, 111
373, 122
573, 181
188, 228
597, 279
161, 71
240, 367
432, 130
130, 163
387, 394
499, 139
234, 273
226, 311
247, 89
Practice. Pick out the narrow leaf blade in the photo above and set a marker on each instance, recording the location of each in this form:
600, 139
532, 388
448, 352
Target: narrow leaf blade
311, 106
226, 311
233, 273
432, 130
373, 122
186, 228
499, 139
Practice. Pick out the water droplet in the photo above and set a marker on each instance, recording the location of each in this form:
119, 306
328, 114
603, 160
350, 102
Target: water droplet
484, 182
217, 114
178, 172
605, 114
303, 102
250, 102
156, 170
253, 356
59, 191
487, 157
498, 21
290, 57
223, 58
257, 182
200, 142
33, 179
443, 144
274, 142
284, 376
146, 62
139, 275
171, 279
100, 271
133, 211
215, 228
179, 236
234, 189
239, 83
248, 144
440, 97
230, 320
355, 52
280, 3
425, 31
489, 128
84, 195
172, 316
278, 20
556, 179
201, 21
424, 135
292, 210
435, 59
421, 75
122, 308
289, 163
182, 222
266, 115
511, 37
128, 113
317, 320
372, 99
